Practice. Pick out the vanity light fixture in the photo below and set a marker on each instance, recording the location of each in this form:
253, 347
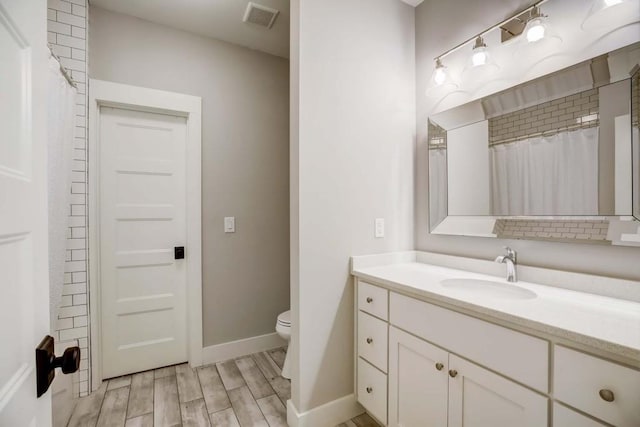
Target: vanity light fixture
536, 28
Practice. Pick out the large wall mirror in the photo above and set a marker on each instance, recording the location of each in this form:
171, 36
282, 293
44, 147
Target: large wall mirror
553, 158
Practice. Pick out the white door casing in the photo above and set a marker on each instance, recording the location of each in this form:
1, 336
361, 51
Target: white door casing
142, 218
24, 278
143, 167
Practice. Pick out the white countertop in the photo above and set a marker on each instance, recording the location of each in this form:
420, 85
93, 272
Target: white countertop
601, 322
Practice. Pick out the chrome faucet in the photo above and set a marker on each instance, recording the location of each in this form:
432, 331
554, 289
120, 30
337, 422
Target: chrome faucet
511, 259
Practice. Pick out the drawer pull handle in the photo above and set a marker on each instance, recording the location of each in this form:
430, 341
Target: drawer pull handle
369, 340
439, 366
606, 395
453, 373
369, 390
369, 300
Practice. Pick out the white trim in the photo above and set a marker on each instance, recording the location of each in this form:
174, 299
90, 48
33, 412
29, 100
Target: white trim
102, 93
234, 349
330, 414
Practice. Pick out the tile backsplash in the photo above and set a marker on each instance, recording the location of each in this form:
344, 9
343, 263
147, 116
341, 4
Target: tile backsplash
569, 230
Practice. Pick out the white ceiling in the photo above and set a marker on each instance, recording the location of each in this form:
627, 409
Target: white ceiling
220, 19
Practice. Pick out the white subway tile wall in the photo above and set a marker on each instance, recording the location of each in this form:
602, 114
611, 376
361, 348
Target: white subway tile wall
67, 34
558, 113
583, 230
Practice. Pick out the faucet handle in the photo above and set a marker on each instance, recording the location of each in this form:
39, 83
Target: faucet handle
511, 253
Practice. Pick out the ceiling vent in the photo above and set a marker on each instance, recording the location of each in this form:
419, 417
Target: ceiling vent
260, 15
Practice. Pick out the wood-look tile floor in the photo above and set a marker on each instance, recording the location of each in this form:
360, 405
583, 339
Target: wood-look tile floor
244, 392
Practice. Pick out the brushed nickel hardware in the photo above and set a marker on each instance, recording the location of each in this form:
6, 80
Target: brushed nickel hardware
606, 395
453, 373
439, 366
369, 390
511, 259
369, 340
369, 300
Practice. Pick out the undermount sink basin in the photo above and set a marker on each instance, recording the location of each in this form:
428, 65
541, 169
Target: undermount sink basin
488, 288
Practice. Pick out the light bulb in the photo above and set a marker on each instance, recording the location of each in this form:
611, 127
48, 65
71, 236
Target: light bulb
479, 58
440, 73
536, 31
440, 76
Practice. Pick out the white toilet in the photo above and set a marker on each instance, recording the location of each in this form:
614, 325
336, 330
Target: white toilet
283, 328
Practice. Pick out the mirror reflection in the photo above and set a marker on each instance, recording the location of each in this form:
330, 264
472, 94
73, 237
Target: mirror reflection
557, 146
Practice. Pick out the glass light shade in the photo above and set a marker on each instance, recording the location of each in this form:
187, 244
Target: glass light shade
479, 56
536, 30
440, 74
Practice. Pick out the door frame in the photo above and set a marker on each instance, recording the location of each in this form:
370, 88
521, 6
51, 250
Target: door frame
104, 93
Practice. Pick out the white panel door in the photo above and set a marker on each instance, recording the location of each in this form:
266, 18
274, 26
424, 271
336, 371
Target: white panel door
480, 398
417, 382
142, 208
24, 279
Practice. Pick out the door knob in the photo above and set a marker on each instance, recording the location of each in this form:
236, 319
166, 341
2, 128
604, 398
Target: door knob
47, 362
369, 340
369, 300
453, 373
439, 366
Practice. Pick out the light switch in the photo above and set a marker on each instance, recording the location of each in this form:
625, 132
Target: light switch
379, 233
229, 224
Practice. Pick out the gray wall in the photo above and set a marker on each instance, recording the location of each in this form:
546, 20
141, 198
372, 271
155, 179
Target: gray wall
245, 159
352, 162
440, 25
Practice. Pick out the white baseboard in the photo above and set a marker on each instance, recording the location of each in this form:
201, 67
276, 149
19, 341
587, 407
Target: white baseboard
233, 349
330, 414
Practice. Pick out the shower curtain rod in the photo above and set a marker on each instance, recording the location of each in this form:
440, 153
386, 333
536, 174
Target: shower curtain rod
63, 70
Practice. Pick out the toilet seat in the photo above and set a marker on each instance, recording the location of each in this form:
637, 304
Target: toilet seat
284, 319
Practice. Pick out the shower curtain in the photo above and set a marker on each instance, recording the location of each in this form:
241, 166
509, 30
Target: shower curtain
437, 186
555, 175
59, 152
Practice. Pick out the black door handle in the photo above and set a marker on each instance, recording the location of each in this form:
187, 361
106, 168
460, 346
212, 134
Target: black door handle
47, 362
178, 252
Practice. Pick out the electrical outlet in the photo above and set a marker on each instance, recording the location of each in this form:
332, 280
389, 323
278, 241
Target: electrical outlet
379, 228
229, 224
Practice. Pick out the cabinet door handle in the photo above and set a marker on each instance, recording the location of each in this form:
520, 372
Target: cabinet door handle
369, 300
439, 366
453, 373
369, 340
606, 395
369, 390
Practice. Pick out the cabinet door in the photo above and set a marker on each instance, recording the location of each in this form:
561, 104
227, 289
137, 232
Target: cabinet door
480, 398
417, 382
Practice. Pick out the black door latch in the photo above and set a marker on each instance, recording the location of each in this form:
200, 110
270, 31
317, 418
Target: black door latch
47, 362
178, 252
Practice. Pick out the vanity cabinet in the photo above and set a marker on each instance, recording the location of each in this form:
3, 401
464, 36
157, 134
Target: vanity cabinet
429, 386
419, 364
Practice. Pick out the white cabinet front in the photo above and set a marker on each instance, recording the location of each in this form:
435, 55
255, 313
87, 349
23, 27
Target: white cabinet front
417, 382
480, 398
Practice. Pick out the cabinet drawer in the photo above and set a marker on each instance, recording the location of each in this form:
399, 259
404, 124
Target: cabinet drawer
521, 357
373, 300
565, 417
579, 379
372, 340
372, 390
